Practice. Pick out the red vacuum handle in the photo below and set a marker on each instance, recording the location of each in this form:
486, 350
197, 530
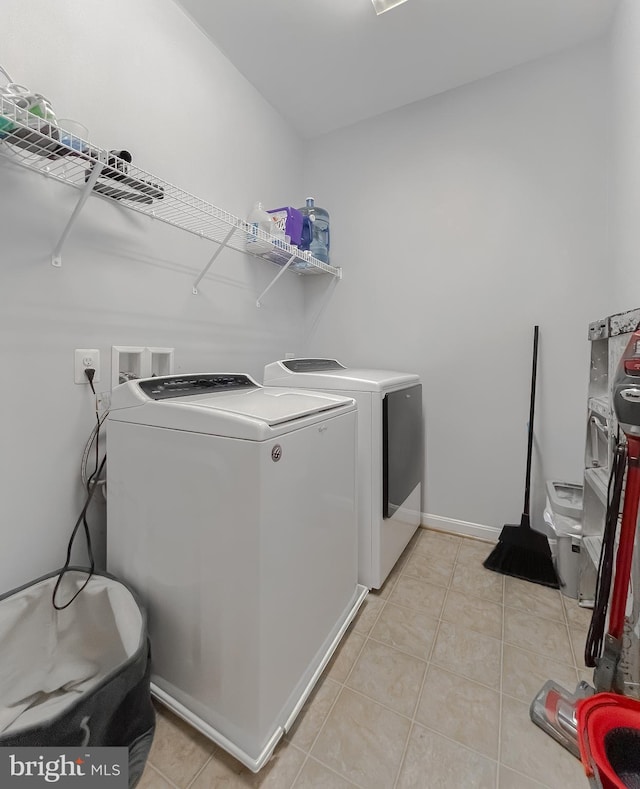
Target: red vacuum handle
627, 537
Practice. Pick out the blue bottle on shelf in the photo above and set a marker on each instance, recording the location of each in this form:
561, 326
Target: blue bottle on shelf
318, 220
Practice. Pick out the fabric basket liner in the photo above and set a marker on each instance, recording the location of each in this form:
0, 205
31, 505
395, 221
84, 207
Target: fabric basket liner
76, 676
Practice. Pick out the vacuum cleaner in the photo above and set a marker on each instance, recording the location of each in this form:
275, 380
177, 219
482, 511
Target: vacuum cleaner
593, 721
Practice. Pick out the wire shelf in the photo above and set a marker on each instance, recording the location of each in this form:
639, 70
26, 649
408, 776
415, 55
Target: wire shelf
33, 142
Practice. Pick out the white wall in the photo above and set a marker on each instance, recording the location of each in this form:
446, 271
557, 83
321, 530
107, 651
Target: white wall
460, 222
140, 76
625, 192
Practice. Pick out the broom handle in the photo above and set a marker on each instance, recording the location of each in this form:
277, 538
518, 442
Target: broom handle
527, 487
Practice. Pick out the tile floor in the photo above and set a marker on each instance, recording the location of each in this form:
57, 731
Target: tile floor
429, 689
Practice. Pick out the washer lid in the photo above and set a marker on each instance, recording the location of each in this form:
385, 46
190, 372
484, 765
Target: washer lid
270, 406
229, 405
329, 374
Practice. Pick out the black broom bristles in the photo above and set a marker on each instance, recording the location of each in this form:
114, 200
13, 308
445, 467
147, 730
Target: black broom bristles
523, 553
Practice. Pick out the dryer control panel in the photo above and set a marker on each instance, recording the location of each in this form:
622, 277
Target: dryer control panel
312, 365
185, 385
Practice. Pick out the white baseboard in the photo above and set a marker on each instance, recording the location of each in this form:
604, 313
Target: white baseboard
452, 526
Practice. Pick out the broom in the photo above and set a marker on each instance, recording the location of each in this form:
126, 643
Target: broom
521, 551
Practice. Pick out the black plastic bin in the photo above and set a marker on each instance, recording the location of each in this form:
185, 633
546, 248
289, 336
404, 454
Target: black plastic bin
79, 676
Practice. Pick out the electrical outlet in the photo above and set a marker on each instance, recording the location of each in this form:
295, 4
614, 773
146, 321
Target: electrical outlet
86, 358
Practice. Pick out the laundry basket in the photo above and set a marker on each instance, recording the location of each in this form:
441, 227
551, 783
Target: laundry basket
79, 676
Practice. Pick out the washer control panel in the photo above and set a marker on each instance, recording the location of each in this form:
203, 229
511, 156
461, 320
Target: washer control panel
185, 385
312, 365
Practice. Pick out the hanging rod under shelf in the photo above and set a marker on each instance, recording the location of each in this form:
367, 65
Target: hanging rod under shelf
34, 143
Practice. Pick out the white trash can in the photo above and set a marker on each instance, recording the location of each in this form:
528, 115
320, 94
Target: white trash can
563, 515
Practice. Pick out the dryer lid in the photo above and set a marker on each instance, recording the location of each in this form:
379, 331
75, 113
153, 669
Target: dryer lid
329, 374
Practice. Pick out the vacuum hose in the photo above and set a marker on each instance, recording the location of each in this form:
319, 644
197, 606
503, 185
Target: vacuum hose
627, 537
594, 645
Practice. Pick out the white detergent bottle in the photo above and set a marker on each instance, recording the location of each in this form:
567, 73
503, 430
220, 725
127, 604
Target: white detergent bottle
258, 219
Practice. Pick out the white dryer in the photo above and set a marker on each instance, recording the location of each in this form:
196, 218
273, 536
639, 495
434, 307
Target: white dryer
390, 452
232, 512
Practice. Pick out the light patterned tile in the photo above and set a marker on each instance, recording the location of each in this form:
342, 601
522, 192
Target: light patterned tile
313, 714
462, 710
577, 616
178, 750
524, 673
345, 656
368, 613
474, 613
225, 772
578, 641
472, 553
316, 776
362, 741
529, 750
438, 546
431, 569
388, 676
534, 599
406, 629
151, 779
472, 655
419, 595
535, 634
509, 779
433, 761
478, 582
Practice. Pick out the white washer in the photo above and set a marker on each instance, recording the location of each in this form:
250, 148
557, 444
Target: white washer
232, 512
390, 452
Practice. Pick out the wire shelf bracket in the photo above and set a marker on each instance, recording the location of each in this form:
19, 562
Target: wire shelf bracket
56, 258
274, 280
223, 244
